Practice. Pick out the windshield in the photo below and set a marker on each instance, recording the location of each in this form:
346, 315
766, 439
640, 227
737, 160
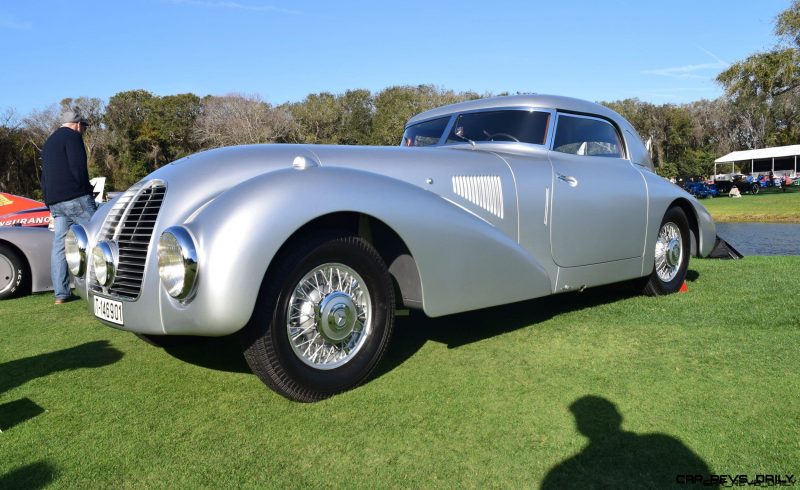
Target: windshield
521, 126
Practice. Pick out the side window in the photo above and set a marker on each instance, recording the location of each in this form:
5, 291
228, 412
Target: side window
586, 136
425, 133
637, 150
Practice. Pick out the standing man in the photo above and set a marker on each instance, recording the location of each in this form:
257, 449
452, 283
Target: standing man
67, 191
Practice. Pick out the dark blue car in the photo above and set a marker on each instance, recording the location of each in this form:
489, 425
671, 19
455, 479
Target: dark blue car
701, 190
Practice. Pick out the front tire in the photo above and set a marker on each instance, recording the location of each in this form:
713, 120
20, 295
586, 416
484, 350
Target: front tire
322, 320
14, 275
672, 250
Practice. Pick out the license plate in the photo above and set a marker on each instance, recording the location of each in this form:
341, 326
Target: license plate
108, 309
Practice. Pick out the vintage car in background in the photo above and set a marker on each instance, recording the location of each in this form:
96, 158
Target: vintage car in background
700, 189
25, 243
484, 202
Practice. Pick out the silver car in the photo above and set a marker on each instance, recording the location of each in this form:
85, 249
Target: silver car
308, 251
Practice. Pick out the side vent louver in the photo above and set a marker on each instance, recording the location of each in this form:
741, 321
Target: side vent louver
485, 191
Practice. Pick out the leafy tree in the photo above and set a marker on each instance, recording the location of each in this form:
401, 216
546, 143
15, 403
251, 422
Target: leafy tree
147, 132
395, 105
767, 85
239, 120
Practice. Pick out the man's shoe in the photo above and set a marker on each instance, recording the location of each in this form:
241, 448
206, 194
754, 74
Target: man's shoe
61, 301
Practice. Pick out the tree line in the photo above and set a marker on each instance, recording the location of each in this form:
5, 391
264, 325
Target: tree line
135, 132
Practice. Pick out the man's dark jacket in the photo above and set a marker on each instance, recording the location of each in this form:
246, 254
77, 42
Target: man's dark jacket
64, 172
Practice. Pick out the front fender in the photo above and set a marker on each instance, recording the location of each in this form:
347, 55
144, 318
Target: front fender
464, 262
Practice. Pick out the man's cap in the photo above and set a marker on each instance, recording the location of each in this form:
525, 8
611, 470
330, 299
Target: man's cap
73, 115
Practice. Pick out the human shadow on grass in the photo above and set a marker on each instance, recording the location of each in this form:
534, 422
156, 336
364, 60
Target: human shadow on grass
18, 411
614, 458
89, 355
29, 477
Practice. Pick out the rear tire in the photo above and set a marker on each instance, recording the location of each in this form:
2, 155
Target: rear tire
14, 273
323, 319
672, 250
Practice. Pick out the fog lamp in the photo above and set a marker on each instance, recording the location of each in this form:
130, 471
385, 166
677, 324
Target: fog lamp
75, 244
103, 263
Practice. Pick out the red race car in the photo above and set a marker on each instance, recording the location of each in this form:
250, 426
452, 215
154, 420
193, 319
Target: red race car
21, 211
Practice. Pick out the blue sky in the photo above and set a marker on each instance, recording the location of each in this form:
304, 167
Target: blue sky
665, 51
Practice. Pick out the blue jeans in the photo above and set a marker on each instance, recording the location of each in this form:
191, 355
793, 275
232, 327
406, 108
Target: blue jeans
76, 211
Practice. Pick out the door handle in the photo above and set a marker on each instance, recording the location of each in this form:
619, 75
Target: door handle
572, 181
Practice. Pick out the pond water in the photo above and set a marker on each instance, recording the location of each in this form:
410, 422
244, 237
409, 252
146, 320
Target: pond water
761, 238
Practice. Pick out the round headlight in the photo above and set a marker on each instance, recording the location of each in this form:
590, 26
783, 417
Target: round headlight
103, 263
177, 262
75, 244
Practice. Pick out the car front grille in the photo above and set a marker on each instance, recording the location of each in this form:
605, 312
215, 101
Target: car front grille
130, 224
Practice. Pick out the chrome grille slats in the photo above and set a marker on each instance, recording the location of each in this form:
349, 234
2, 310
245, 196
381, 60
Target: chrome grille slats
131, 223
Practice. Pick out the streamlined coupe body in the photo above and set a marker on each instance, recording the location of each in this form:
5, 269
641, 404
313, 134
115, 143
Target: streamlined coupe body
484, 203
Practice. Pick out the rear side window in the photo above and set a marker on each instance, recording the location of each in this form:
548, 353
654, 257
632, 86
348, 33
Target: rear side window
516, 126
425, 133
586, 136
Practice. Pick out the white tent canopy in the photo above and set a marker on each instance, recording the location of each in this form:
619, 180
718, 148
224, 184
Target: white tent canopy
746, 155
784, 153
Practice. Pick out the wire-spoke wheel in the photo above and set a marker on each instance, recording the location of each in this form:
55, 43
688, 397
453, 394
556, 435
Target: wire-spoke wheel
672, 250
669, 251
329, 316
323, 319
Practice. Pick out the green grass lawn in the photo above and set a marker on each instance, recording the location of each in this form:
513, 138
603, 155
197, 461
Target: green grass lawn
706, 381
772, 207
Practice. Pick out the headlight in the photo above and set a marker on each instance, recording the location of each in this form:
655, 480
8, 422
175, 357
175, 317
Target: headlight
103, 263
75, 244
177, 262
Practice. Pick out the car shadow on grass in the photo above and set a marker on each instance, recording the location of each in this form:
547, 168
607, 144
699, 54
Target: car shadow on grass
614, 458
413, 331
29, 477
217, 353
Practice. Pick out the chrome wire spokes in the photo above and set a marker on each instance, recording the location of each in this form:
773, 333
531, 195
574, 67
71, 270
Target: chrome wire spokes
329, 316
669, 252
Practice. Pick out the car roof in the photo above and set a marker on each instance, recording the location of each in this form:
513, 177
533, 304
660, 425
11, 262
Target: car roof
531, 100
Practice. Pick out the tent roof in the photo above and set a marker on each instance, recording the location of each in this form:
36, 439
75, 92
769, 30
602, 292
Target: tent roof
774, 152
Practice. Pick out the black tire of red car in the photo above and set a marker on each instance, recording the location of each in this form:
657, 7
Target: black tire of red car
15, 279
656, 285
266, 341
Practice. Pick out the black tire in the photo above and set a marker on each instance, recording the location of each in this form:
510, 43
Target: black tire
754, 189
166, 341
657, 285
266, 340
15, 278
